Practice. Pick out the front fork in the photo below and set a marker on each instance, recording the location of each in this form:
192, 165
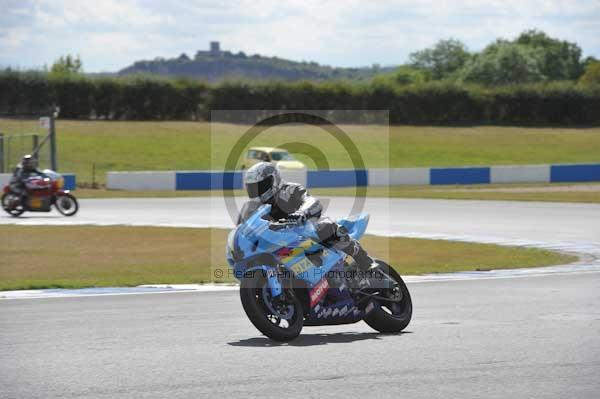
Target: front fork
273, 282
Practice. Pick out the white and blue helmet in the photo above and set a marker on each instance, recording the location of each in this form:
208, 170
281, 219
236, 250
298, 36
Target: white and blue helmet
262, 181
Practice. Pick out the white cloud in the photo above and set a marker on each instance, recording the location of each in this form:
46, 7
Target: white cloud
12, 38
109, 13
109, 34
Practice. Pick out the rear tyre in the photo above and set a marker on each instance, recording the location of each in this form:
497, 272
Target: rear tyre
387, 317
66, 204
12, 204
279, 321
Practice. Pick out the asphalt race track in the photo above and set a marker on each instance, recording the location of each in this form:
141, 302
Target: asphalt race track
534, 336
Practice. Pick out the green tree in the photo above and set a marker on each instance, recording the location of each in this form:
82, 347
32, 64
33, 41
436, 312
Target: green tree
589, 60
405, 75
560, 59
504, 63
441, 61
402, 76
67, 65
591, 75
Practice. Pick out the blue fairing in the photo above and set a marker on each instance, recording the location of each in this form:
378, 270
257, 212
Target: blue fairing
356, 225
292, 249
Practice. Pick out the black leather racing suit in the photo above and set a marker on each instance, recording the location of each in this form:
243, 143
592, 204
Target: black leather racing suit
293, 198
19, 177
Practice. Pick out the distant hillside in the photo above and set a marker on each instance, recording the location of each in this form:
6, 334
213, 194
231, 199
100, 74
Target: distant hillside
214, 65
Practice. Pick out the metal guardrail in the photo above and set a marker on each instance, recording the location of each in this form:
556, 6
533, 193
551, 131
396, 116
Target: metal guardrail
217, 180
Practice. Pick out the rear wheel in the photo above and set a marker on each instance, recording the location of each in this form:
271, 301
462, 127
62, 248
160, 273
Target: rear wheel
280, 320
391, 317
12, 204
67, 204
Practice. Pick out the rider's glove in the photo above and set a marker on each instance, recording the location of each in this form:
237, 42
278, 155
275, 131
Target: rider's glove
299, 217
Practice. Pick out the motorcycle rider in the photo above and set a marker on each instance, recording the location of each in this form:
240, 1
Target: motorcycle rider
291, 201
24, 170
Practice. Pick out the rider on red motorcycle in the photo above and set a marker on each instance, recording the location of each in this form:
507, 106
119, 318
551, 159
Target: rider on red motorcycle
23, 171
31, 190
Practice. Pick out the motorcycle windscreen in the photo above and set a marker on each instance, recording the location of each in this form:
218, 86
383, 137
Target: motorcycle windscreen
257, 189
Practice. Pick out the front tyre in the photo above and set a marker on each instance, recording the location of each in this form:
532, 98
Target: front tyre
279, 320
12, 204
391, 317
66, 204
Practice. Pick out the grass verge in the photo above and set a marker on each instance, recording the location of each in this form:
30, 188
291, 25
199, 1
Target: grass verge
90, 256
131, 145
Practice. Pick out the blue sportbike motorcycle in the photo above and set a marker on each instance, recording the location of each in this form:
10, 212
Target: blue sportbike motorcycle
289, 280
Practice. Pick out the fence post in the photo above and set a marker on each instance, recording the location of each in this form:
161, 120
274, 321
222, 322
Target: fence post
35, 141
94, 175
1, 152
8, 143
53, 163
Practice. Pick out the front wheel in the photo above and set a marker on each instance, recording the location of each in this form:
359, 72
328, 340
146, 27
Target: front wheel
12, 204
279, 320
67, 204
391, 317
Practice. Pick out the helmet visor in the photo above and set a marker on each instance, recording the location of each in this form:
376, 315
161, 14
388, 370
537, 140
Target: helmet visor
257, 189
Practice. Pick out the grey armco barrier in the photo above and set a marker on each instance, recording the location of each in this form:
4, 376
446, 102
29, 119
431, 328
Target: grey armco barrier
4, 179
395, 177
218, 180
140, 181
520, 174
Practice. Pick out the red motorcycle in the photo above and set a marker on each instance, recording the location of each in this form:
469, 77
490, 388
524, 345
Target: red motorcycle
43, 191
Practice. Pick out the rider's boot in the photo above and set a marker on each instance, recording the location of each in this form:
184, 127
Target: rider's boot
21, 191
366, 264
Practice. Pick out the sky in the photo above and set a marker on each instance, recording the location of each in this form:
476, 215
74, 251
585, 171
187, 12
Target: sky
111, 34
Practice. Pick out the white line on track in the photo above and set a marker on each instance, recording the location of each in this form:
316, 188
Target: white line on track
578, 267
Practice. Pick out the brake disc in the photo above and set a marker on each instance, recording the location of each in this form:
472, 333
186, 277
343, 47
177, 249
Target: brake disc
281, 310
